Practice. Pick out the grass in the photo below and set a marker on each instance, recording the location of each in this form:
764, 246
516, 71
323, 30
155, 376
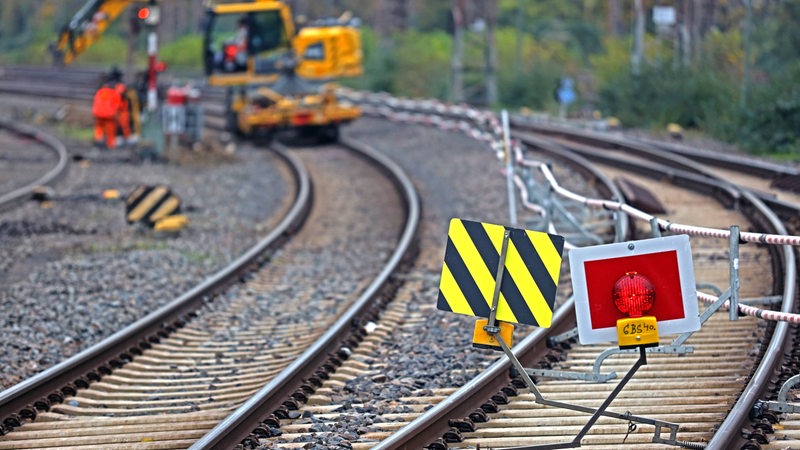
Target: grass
76, 132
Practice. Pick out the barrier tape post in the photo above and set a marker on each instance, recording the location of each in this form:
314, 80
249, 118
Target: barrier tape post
734, 273
512, 206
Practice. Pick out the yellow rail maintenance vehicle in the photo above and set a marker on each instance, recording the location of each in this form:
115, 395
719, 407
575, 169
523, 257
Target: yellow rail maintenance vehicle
280, 77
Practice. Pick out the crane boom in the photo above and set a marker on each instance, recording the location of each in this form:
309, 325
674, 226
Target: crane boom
86, 27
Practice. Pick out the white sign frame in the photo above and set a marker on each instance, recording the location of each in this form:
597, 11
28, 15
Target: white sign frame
679, 243
664, 15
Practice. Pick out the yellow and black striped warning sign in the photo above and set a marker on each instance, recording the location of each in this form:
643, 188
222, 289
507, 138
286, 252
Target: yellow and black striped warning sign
530, 274
149, 204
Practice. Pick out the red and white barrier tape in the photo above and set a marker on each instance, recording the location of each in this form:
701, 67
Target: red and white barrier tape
753, 311
486, 128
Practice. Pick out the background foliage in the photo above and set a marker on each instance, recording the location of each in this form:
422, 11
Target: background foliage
537, 42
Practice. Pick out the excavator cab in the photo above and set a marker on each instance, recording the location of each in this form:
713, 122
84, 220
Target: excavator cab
329, 49
246, 43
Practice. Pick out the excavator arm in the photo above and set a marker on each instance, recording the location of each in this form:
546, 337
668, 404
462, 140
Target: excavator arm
86, 27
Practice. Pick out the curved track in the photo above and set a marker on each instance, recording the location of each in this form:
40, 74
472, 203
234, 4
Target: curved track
729, 196
45, 140
735, 368
50, 387
219, 366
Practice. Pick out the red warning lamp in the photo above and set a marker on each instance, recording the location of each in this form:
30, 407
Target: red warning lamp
634, 294
150, 15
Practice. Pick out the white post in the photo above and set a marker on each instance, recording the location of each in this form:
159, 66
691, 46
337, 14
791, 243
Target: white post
152, 51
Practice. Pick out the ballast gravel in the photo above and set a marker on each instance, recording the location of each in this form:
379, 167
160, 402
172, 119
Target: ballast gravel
73, 271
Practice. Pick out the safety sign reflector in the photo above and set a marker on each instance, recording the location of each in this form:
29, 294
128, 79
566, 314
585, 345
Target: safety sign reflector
666, 262
530, 273
483, 339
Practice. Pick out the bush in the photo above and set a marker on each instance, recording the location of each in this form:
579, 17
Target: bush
184, 53
693, 98
771, 122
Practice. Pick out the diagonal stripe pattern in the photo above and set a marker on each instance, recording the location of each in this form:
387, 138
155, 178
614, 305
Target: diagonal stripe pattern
148, 204
530, 275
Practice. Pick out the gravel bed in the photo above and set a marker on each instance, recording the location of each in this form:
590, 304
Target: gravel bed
439, 164
456, 177
72, 271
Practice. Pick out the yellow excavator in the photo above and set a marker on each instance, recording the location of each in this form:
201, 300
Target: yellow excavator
279, 76
85, 28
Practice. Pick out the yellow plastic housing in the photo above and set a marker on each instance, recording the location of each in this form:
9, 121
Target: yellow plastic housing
329, 52
171, 223
482, 339
638, 331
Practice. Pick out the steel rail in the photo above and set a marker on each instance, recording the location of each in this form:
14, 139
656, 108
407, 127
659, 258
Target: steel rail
724, 160
116, 349
48, 178
418, 433
434, 422
239, 424
683, 157
729, 430
606, 186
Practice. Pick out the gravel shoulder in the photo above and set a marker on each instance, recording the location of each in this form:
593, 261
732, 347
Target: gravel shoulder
72, 271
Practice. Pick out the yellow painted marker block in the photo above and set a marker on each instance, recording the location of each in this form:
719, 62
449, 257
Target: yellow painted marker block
110, 194
637, 331
171, 223
482, 339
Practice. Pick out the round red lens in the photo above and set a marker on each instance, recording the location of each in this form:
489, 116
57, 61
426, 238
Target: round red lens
633, 294
144, 13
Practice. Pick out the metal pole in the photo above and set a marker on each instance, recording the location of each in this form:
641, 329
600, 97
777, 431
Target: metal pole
152, 49
491, 326
512, 206
734, 273
152, 52
655, 228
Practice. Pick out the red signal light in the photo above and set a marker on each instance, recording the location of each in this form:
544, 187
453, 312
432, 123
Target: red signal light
633, 294
302, 118
230, 52
143, 13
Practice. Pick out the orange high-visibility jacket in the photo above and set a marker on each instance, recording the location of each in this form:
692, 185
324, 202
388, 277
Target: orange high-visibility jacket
107, 101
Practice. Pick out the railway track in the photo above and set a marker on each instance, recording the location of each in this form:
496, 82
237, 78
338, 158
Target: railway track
758, 262
18, 183
724, 364
205, 362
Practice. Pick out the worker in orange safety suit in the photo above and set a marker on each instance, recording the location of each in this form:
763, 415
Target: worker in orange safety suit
106, 110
